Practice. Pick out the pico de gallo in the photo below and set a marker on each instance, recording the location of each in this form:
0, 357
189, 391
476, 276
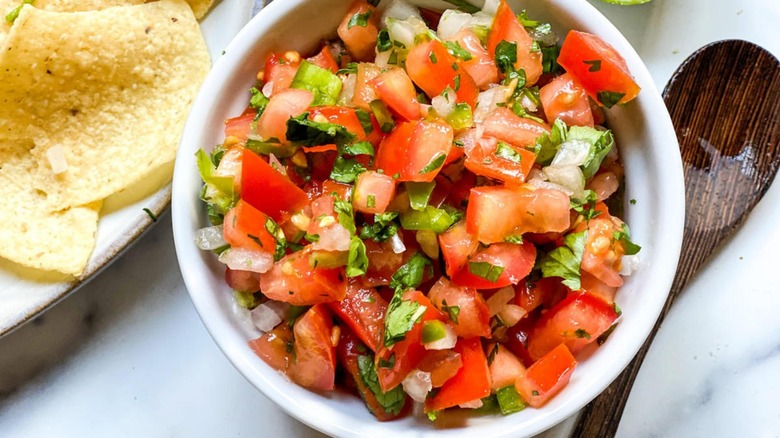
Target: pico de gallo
424, 209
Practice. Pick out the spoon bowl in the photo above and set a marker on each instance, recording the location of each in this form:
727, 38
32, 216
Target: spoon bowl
724, 101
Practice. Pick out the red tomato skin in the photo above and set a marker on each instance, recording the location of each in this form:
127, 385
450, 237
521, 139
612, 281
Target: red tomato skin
240, 127
612, 74
517, 261
433, 77
546, 377
314, 361
442, 364
360, 40
264, 188
506, 27
597, 287
579, 311
480, 67
273, 347
378, 185
397, 91
347, 351
280, 71
497, 212
472, 381
293, 281
564, 98
409, 351
346, 117
411, 147
507, 126
457, 245
474, 315
325, 59
245, 227
363, 310
382, 262
517, 339
283, 105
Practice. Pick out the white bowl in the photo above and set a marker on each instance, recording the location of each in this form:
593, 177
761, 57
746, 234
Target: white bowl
654, 178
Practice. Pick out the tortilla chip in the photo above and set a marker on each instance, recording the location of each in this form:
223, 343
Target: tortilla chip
200, 7
112, 88
32, 234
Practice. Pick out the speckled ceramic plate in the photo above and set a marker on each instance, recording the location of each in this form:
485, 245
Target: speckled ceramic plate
25, 293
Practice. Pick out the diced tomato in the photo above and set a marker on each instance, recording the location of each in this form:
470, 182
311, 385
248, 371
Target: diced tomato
397, 91
363, 310
457, 245
548, 376
545, 292
480, 67
472, 382
395, 362
358, 38
433, 69
365, 93
373, 192
266, 189
603, 254
325, 59
505, 368
382, 262
280, 71
283, 105
413, 150
496, 212
499, 160
343, 116
442, 364
597, 287
294, 281
473, 315
274, 347
599, 67
348, 351
517, 339
506, 27
507, 126
344, 191
240, 127
564, 98
576, 321
514, 262
313, 364
242, 281
245, 227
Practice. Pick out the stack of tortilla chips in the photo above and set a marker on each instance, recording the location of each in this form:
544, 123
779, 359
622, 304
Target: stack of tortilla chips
93, 98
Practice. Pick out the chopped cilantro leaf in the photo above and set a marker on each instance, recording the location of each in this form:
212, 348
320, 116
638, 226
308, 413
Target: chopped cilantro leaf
383, 43
435, 163
624, 236
401, 316
486, 270
452, 311
565, 261
346, 170
507, 152
456, 50
359, 148
303, 131
382, 229
410, 275
346, 216
392, 401
359, 20
595, 65
609, 98
357, 261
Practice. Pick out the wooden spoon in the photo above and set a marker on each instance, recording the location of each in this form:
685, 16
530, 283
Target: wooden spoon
724, 101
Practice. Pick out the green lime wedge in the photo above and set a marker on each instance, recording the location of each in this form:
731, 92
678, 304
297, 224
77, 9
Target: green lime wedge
433, 330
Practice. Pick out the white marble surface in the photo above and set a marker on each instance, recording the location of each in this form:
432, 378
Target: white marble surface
127, 355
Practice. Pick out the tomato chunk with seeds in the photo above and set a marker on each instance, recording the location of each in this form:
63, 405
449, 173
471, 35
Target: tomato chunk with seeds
472, 317
293, 280
363, 310
564, 98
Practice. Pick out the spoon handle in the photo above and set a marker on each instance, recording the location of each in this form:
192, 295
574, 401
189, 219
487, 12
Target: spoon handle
724, 102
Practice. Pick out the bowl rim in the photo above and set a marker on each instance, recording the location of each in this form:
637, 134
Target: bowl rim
313, 413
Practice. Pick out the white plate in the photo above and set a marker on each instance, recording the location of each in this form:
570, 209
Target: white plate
25, 293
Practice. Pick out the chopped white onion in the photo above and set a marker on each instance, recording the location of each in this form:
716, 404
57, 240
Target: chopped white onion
452, 21
542, 184
444, 105
334, 237
488, 99
445, 343
490, 7
400, 10
474, 404
548, 38
405, 31
247, 260
268, 89
348, 89
511, 314
499, 299
417, 384
243, 315
383, 58
56, 157
571, 153
528, 104
301, 221
397, 243
567, 176
268, 315
210, 238
630, 264
483, 19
